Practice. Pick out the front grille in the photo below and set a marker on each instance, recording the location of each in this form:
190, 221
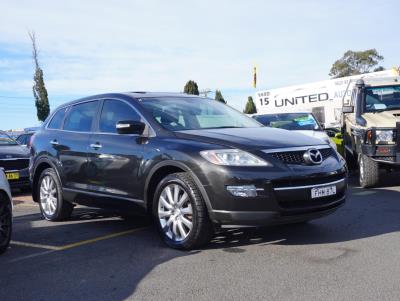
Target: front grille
296, 157
14, 164
317, 179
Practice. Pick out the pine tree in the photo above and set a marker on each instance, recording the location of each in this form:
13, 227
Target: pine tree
39, 89
191, 88
219, 97
250, 106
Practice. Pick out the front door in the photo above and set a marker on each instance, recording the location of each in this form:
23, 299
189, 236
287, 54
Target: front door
114, 159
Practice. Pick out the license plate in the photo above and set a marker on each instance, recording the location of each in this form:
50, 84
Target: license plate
12, 175
321, 192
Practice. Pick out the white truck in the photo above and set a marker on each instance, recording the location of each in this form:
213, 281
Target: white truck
324, 99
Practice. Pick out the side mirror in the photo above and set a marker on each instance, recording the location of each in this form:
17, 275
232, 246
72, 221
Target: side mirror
348, 109
130, 127
330, 134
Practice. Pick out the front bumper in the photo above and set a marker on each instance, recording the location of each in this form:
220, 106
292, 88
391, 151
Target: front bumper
386, 154
283, 193
23, 180
255, 218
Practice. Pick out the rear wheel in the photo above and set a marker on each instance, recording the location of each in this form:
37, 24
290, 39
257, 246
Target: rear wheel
180, 212
5, 222
52, 205
369, 171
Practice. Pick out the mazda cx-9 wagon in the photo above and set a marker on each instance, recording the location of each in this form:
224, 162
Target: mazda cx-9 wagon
194, 163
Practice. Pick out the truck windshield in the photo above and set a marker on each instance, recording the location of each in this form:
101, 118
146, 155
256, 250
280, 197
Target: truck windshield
290, 121
185, 113
382, 98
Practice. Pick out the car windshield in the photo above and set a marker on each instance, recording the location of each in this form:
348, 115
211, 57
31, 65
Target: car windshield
184, 113
382, 98
290, 121
6, 140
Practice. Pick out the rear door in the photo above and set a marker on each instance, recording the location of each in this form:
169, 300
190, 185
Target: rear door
72, 144
114, 159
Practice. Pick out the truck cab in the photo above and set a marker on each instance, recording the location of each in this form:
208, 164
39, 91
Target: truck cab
371, 126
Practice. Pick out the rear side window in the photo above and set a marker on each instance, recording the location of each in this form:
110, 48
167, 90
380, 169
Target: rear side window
114, 111
57, 119
22, 139
80, 117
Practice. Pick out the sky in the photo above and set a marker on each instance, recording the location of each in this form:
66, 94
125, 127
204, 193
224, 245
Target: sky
90, 47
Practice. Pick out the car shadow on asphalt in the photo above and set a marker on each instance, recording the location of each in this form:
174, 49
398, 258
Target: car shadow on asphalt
113, 269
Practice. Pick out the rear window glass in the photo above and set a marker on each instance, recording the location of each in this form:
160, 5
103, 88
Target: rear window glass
57, 119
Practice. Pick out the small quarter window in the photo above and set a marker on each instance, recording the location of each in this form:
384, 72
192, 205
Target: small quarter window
57, 119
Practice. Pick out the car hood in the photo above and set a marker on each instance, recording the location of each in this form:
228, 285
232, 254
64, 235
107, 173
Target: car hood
250, 138
316, 134
13, 151
382, 119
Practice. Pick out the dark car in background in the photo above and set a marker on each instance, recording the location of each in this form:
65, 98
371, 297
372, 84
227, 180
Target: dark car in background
14, 159
194, 163
5, 212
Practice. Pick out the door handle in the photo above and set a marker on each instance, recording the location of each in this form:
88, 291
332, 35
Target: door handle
54, 142
96, 145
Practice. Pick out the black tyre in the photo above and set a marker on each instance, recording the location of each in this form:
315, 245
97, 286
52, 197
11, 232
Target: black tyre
369, 171
180, 212
52, 205
5, 222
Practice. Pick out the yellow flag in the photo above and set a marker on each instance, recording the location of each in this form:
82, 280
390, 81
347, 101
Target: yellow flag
255, 77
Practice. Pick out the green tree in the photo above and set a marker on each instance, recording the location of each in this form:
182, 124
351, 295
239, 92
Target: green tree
191, 88
356, 62
39, 89
250, 106
219, 97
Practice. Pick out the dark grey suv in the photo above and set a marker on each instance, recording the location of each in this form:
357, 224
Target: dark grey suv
191, 162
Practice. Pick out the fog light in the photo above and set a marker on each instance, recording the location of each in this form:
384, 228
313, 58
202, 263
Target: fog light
245, 191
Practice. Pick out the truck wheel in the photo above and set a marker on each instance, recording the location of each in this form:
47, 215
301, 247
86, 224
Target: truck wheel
52, 205
180, 212
369, 171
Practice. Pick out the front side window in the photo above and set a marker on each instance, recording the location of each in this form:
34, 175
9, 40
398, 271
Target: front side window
382, 98
184, 113
80, 117
114, 111
290, 121
57, 119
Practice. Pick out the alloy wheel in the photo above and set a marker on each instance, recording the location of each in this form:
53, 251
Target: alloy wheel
175, 212
48, 195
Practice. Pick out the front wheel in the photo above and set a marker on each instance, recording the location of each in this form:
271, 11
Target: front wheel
5, 222
52, 205
180, 212
369, 171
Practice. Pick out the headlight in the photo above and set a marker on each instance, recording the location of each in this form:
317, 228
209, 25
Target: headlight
232, 157
384, 136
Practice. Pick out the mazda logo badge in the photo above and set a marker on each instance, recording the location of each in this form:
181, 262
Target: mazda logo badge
313, 156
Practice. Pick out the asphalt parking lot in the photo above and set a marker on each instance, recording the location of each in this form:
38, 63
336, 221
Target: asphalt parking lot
351, 255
